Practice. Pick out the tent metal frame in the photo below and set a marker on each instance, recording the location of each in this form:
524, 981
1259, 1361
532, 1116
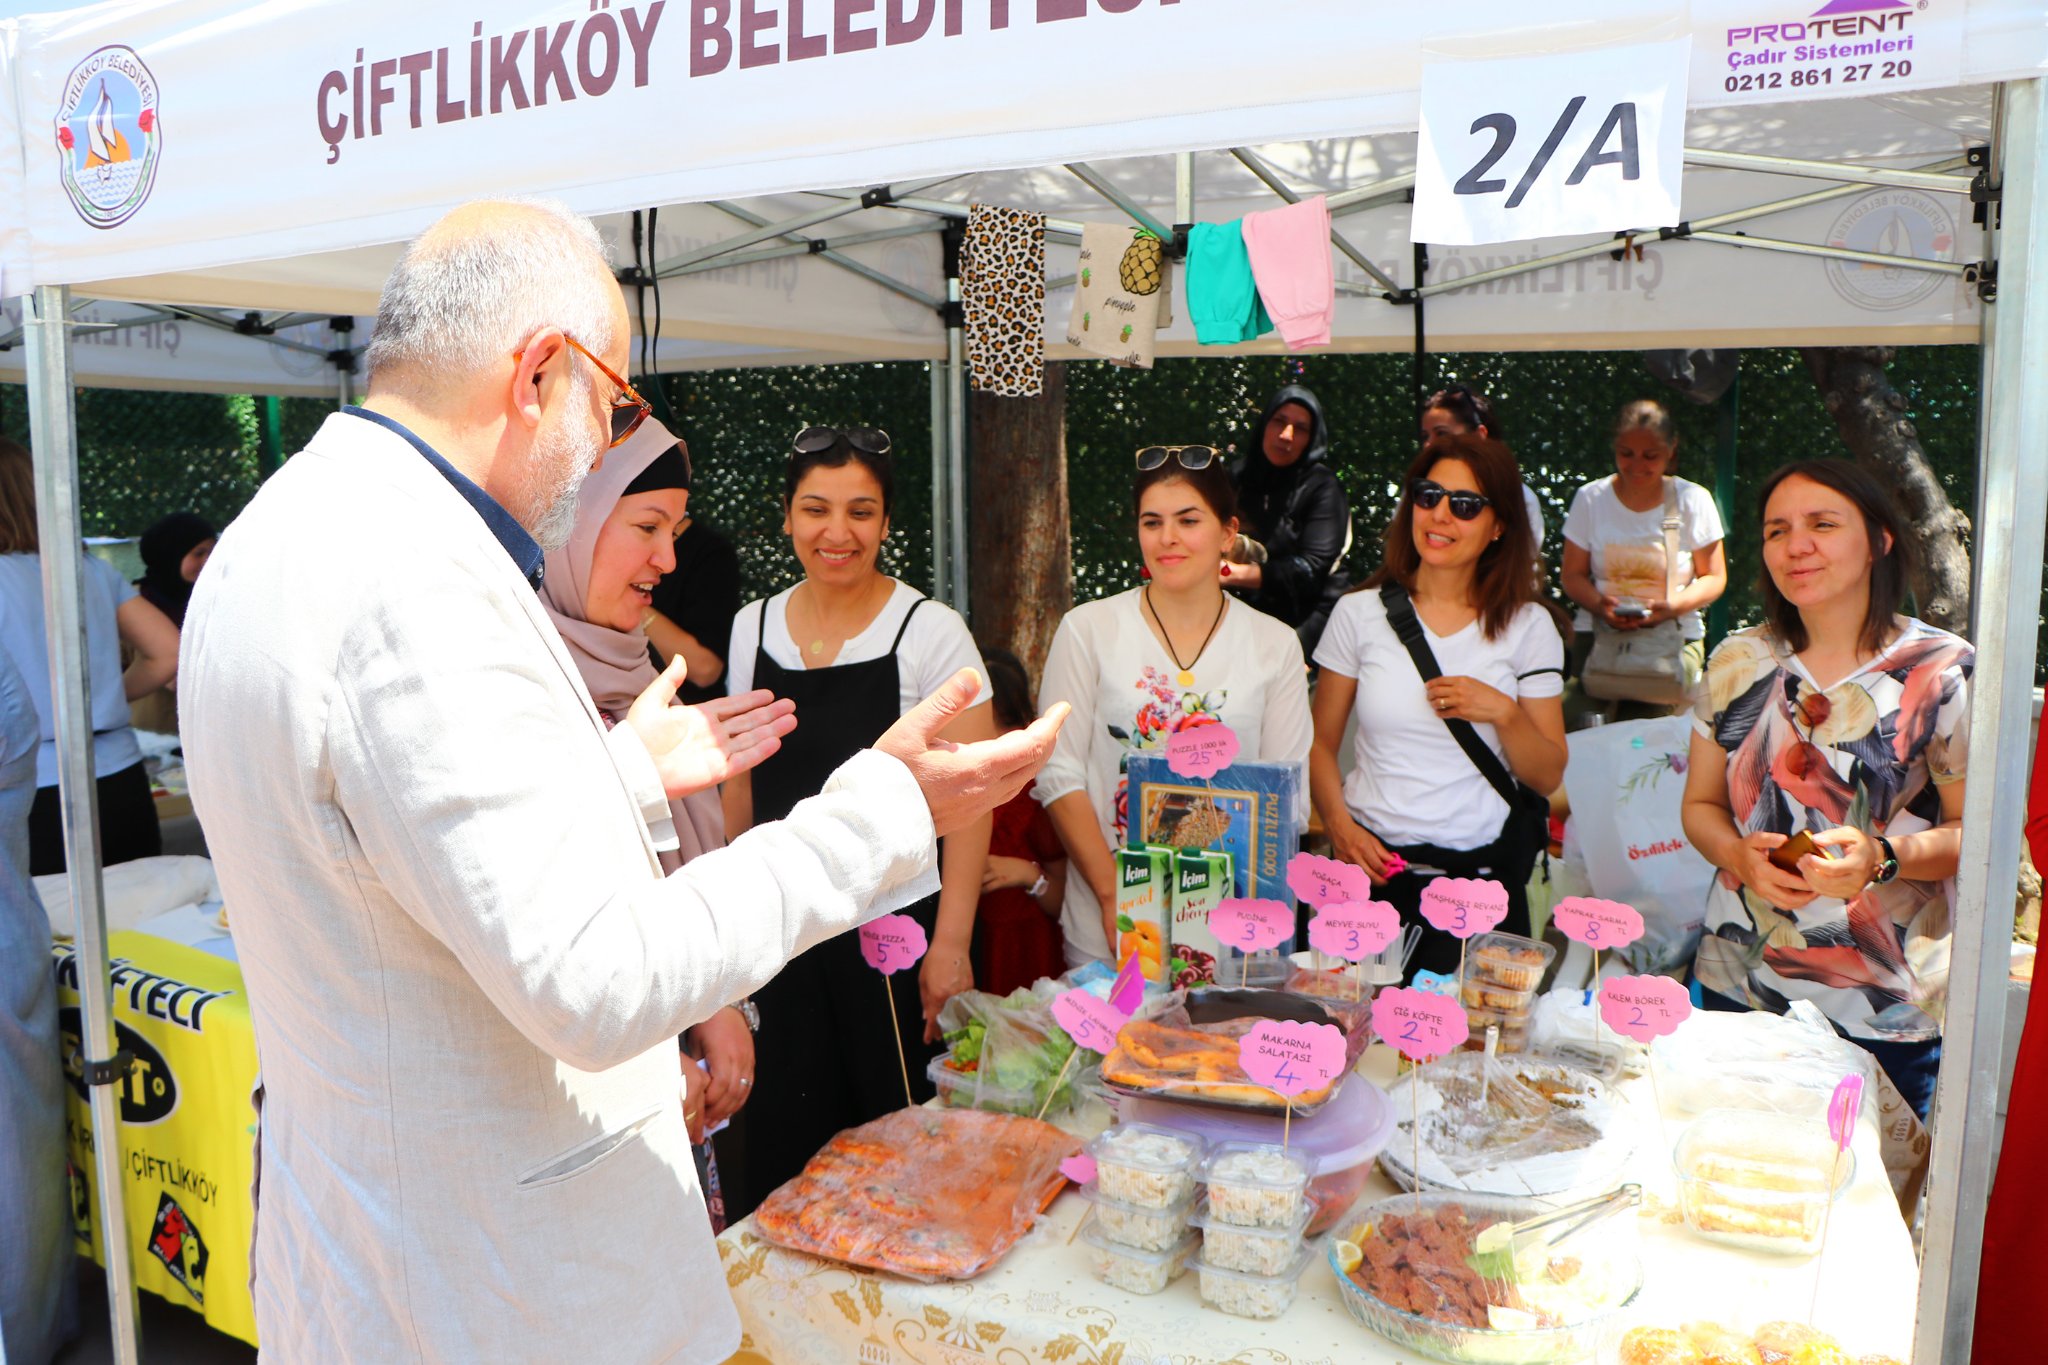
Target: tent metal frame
2012, 512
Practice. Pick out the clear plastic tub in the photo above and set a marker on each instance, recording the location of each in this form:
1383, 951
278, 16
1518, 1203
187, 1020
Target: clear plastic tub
971, 1090
1759, 1181
1251, 1296
1147, 1167
1258, 1184
1255, 1251
1131, 1226
1132, 1270
1485, 995
1508, 961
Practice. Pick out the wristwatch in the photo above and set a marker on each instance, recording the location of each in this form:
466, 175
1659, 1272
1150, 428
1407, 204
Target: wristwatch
1039, 887
1888, 866
750, 1012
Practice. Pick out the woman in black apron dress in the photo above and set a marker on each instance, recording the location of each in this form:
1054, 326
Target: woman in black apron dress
825, 1056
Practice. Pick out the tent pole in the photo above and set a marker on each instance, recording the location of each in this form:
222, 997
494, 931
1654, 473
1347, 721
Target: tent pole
60, 530
1825, 170
941, 391
1269, 177
2006, 607
1832, 253
769, 231
956, 441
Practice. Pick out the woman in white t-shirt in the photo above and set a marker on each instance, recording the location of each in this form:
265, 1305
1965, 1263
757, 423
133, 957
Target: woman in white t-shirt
1171, 655
1614, 551
1416, 804
855, 649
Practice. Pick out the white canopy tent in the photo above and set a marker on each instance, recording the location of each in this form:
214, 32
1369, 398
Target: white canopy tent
289, 147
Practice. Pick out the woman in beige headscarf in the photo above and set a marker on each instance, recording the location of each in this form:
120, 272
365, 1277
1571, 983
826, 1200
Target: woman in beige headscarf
598, 590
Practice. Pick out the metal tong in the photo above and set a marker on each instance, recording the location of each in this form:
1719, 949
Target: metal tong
1583, 1214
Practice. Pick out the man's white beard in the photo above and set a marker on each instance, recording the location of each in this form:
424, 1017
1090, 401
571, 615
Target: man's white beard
561, 462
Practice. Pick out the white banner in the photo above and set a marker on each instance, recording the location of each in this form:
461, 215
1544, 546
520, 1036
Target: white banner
1551, 146
1764, 51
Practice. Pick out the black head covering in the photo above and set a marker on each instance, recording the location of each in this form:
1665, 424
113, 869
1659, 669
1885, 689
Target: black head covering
164, 547
1256, 463
670, 469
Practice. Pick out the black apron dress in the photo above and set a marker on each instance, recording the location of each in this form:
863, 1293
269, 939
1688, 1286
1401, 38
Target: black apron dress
824, 1058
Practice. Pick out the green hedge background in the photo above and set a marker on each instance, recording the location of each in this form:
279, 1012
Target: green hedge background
146, 454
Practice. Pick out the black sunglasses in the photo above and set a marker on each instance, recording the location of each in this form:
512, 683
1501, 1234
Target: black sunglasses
1188, 457
1427, 493
866, 440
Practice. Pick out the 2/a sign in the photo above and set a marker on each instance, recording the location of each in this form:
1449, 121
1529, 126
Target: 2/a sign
1552, 146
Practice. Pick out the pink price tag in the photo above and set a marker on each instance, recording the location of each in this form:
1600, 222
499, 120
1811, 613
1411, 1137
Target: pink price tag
1251, 926
1845, 1106
1597, 923
1201, 751
1464, 906
1419, 1026
1324, 881
1289, 1058
1091, 1023
1644, 1007
1079, 1168
1354, 930
892, 943
1127, 992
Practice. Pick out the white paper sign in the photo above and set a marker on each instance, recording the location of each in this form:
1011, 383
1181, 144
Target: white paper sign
1759, 51
1551, 146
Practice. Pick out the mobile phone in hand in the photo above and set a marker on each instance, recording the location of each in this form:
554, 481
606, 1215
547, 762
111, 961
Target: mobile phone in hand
1786, 856
1631, 611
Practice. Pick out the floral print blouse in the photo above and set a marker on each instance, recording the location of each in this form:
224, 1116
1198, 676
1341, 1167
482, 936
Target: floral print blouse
1869, 752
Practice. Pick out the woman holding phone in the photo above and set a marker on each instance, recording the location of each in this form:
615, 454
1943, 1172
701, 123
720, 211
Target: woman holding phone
1826, 781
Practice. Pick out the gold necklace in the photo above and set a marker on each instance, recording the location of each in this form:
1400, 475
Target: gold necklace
1186, 677
817, 646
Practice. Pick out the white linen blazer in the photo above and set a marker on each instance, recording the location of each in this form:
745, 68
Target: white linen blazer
465, 968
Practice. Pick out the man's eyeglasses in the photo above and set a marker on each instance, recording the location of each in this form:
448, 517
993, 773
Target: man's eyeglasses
629, 409
866, 440
1187, 457
1427, 493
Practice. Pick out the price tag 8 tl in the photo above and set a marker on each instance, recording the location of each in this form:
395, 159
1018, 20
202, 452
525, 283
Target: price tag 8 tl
1551, 146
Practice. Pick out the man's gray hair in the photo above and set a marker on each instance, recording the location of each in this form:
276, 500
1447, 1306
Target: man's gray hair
458, 302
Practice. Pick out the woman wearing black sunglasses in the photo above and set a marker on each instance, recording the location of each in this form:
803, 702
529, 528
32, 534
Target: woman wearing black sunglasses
854, 648
1453, 672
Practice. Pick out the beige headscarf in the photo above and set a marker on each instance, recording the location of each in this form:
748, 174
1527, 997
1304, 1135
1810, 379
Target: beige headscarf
614, 663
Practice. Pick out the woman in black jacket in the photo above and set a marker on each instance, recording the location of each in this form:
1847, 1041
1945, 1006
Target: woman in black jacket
1291, 505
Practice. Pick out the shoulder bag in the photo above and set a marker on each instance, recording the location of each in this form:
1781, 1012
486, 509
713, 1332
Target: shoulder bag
1647, 664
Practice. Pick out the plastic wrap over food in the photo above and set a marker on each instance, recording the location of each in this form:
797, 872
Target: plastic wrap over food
1348, 998
930, 1194
1005, 1052
1756, 1060
1506, 1125
1189, 1050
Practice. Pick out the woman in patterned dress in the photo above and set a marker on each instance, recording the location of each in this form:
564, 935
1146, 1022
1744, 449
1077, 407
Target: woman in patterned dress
1841, 719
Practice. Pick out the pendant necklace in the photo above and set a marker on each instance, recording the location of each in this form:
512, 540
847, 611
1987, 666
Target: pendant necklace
1186, 677
817, 645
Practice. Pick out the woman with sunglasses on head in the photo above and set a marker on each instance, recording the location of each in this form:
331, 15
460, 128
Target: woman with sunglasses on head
1452, 746
1460, 411
1172, 654
854, 648
1294, 509
1629, 539
1837, 731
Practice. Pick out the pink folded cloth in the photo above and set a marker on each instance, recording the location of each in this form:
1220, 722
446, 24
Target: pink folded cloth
1290, 254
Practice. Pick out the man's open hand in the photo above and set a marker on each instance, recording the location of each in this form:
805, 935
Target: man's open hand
697, 747
963, 782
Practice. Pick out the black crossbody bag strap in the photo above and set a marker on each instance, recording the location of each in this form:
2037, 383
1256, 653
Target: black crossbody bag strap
1401, 616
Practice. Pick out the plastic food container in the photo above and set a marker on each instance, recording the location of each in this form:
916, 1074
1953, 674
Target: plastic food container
1615, 1278
1147, 1167
1754, 1061
1257, 1184
1744, 1337
1508, 962
1760, 1181
1255, 1251
1343, 1138
1251, 1296
1132, 1270
1131, 1226
971, 1090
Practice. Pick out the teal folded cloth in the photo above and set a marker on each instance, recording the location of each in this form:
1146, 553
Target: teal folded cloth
1223, 299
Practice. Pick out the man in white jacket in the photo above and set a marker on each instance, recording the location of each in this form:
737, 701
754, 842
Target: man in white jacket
465, 968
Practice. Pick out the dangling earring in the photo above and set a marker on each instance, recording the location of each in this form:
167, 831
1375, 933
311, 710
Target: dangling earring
1144, 573
1226, 568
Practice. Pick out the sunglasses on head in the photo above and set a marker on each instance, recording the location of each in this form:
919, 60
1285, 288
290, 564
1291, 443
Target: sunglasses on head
818, 440
1427, 493
1187, 457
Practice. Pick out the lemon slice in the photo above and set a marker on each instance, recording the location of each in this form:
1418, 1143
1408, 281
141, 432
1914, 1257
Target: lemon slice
1349, 1257
1510, 1319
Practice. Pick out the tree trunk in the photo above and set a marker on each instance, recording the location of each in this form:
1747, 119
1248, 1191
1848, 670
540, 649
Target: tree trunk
1871, 415
1020, 550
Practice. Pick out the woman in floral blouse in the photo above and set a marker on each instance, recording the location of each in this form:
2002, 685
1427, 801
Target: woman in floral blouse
1841, 719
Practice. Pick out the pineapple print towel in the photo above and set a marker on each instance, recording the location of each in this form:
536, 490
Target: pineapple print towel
1002, 292
1124, 294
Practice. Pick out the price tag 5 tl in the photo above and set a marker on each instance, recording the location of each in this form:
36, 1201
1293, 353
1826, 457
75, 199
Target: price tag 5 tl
1551, 146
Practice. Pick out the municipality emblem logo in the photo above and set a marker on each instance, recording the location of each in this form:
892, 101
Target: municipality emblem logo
108, 136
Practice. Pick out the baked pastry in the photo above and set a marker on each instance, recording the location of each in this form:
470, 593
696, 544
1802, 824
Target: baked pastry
1656, 1346
1718, 1345
1779, 1342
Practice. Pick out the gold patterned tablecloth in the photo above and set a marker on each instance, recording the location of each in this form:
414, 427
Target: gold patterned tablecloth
1041, 1305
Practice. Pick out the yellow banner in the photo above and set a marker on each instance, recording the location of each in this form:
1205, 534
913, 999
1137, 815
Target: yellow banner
187, 1126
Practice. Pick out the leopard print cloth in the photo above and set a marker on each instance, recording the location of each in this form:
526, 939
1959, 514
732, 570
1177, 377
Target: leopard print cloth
1002, 288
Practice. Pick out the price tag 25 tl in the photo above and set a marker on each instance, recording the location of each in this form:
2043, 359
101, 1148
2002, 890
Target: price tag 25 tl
1551, 146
